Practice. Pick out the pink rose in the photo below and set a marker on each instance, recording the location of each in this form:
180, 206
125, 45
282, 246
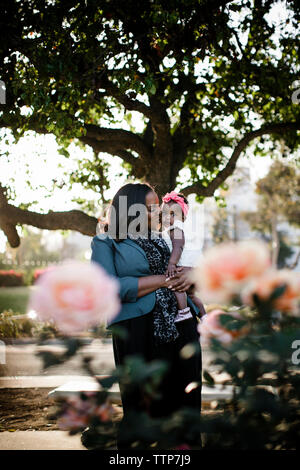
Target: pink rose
105, 412
211, 327
264, 286
75, 296
226, 268
183, 447
71, 420
76, 414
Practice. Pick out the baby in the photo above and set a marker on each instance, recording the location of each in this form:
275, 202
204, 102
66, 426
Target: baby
174, 211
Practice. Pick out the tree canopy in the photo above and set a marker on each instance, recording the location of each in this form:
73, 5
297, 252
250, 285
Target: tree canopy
206, 78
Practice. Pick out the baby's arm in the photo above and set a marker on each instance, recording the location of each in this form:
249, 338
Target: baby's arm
177, 238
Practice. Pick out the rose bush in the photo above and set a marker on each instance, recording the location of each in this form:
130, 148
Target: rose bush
75, 296
226, 268
251, 345
264, 286
250, 340
11, 278
212, 327
78, 412
39, 272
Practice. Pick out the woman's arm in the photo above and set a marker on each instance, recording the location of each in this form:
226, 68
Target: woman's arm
149, 284
131, 287
102, 254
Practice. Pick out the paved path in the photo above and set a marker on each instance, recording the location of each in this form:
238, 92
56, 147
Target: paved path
38, 381
69, 385
23, 370
39, 440
21, 360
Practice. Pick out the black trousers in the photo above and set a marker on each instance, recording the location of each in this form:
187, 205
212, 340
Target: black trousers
182, 371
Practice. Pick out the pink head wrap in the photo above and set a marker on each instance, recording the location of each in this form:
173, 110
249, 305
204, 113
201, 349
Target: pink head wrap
173, 196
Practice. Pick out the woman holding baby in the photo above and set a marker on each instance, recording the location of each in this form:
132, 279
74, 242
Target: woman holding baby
159, 312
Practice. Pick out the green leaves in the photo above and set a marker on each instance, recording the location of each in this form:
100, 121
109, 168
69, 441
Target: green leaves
208, 378
208, 76
71, 347
231, 323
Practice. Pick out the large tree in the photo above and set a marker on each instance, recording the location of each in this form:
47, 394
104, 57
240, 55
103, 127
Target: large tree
207, 78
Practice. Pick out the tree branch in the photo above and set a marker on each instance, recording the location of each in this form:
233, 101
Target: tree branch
128, 103
209, 190
116, 138
114, 148
156, 113
11, 216
109, 147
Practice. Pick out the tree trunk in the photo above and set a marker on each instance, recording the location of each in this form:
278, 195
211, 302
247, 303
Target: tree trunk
160, 177
275, 242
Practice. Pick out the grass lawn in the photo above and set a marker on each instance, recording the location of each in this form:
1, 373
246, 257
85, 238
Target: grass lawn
14, 298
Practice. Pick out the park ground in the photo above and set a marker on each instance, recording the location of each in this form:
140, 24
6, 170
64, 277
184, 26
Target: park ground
14, 298
31, 409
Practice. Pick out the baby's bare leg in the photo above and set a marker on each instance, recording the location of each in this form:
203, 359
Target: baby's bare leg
181, 300
198, 304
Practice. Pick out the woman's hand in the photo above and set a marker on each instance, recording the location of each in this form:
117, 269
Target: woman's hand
181, 281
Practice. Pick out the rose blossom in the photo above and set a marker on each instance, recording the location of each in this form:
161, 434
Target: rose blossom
226, 268
75, 296
264, 286
183, 447
211, 327
76, 414
71, 420
105, 412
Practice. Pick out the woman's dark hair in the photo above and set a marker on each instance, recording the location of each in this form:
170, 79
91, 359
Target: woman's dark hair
126, 196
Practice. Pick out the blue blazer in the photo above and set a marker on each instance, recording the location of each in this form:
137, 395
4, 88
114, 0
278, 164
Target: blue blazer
126, 261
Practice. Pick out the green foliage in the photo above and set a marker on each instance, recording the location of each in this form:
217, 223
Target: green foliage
258, 363
12, 327
14, 298
219, 70
285, 251
9, 328
45, 331
264, 411
278, 201
279, 196
72, 345
11, 278
221, 226
100, 436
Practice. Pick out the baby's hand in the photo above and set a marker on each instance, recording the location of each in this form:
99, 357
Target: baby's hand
171, 270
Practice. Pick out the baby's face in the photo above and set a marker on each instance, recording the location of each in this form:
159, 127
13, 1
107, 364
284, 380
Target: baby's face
171, 211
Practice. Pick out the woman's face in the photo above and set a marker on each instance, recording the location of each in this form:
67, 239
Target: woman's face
153, 209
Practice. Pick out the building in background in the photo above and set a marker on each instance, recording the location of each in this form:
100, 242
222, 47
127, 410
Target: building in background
230, 222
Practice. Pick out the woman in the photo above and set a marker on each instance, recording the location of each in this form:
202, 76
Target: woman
133, 251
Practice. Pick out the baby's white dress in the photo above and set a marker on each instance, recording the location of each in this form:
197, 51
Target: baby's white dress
190, 256
192, 251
